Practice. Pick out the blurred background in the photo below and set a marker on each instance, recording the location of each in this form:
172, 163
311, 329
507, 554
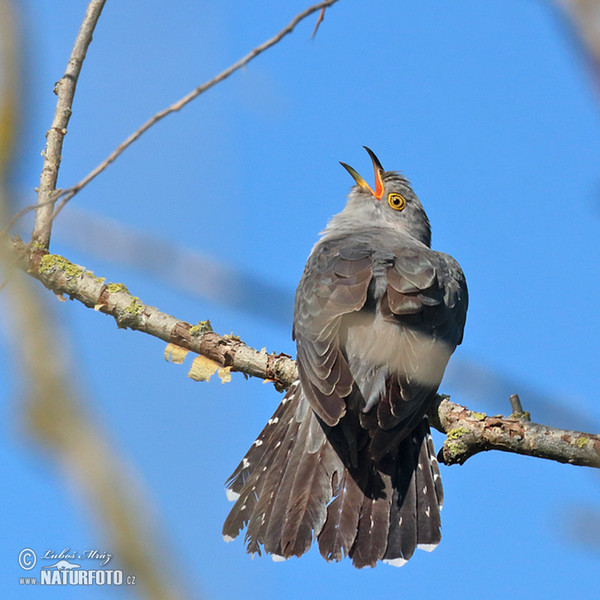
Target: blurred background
491, 109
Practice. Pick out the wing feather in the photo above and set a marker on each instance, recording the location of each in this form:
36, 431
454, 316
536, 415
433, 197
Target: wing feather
338, 282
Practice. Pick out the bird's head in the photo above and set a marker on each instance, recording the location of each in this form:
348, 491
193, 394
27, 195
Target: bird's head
391, 203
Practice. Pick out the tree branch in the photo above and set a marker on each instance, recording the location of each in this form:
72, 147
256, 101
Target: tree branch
65, 90
64, 277
467, 432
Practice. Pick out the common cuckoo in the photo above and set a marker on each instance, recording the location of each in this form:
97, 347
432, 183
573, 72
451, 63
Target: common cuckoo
347, 458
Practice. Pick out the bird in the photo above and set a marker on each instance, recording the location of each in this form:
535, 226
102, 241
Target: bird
347, 459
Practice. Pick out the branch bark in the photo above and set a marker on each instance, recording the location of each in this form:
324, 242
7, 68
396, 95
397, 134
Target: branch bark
65, 90
467, 432
64, 277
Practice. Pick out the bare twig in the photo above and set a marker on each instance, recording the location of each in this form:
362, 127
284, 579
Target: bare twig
467, 432
65, 90
515, 403
68, 193
318, 23
22, 213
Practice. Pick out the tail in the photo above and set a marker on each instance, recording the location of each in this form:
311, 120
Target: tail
293, 486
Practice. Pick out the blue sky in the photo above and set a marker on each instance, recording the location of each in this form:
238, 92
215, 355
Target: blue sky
487, 107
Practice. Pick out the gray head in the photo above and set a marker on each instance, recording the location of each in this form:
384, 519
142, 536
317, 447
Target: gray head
392, 204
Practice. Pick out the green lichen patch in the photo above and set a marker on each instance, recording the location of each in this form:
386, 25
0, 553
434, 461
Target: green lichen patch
114, 288
135, 306
50, 263
232, 336
478, 416
38, 245
582, 442
201, 327
98, 279
455, 447
524, 415
456, 433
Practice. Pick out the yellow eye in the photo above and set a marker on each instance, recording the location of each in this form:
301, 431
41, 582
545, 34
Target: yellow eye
396, 201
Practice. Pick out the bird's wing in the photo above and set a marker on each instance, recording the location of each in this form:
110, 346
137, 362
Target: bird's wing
424, 298
335, 282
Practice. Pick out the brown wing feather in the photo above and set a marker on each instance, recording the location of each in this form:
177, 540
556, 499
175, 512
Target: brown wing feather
338, 284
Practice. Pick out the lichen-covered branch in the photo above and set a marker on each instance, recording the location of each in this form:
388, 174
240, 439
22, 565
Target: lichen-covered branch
467, 432
66, 278
65, 90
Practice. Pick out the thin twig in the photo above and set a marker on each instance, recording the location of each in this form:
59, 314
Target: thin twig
467, 432
68, 193
515, 404
318, 23
65, 90
22, 213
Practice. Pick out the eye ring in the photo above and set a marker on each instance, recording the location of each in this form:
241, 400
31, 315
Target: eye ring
396, 201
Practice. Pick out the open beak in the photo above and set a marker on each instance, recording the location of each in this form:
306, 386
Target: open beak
378, 174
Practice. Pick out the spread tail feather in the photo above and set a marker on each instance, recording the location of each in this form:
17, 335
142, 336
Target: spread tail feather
292, 487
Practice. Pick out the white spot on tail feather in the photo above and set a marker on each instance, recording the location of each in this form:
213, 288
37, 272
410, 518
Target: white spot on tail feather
258, 443
227, 539
245, 463
425, 490
277, 558
427, 547
273, 421
231, 495
395, 562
